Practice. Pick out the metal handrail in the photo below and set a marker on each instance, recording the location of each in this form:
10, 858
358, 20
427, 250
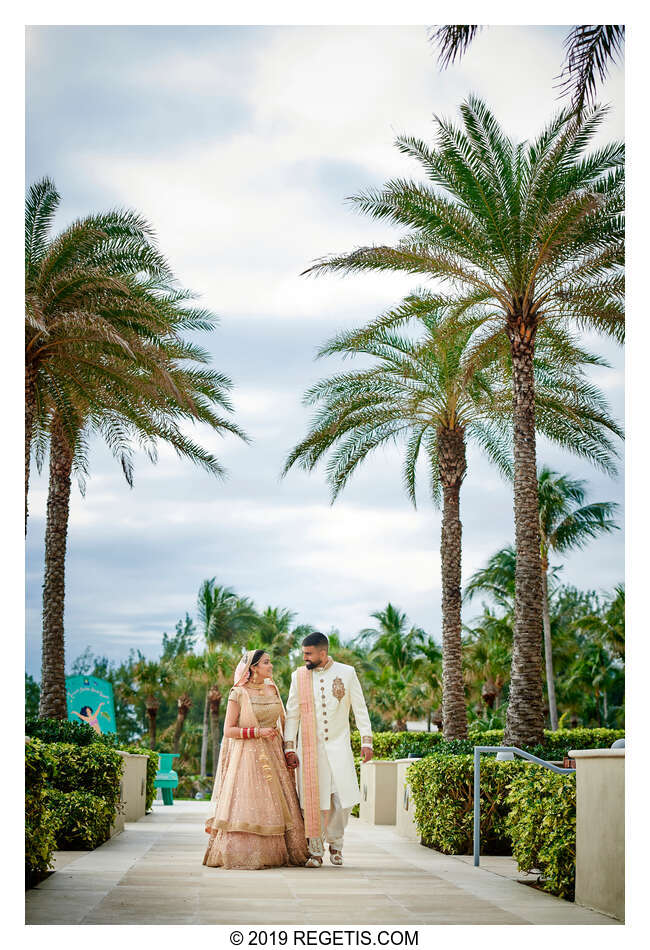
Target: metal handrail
477, 783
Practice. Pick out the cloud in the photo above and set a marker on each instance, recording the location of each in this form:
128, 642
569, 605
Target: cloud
241, 145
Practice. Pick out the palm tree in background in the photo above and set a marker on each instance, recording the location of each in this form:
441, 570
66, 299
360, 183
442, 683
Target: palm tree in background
565, 523
528, 236
487, 652
152, 680
227, 620
589, 52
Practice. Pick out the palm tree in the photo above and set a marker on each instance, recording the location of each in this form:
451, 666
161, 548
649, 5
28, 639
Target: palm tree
528, 235
564, 527
226, 619
152, 679
181, 683
393, 644
136, 380
437, 393
589, 52
77, 302
487, 650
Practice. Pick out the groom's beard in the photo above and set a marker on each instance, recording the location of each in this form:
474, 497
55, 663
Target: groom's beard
310, 665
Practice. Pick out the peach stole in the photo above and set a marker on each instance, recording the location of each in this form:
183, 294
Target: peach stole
309, 750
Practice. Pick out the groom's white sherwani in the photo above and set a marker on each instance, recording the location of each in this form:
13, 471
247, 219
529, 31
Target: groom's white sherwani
336, 690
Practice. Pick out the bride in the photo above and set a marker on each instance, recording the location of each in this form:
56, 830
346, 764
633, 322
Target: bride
255, 820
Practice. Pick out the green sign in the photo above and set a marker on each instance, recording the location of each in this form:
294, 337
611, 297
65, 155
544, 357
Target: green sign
91, 700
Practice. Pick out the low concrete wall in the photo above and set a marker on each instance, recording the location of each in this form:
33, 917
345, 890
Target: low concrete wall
600, 830
378, 791
405, 806
134, 786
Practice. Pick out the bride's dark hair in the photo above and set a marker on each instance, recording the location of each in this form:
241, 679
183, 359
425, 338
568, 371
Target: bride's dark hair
257, 656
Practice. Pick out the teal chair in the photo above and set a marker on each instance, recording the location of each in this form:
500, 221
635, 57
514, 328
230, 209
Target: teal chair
166, 777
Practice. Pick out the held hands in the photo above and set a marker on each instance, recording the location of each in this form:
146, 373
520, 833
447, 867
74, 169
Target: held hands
291, 759
268, 733
366, 754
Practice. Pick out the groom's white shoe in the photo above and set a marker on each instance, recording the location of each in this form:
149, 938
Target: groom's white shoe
336, 857
313, 861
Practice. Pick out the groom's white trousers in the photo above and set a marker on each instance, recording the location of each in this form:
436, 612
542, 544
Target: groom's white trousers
334, 821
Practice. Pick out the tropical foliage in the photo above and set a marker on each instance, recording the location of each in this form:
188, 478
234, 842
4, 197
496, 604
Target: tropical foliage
590, 49
525, 239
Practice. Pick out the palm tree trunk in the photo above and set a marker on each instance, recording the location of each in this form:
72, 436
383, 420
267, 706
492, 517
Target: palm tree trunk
548, 652
525, 715
152, 705
30, 413
53, 694
183, 705
452, 466
204, 738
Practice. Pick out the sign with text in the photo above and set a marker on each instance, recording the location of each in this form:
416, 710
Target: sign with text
91, 700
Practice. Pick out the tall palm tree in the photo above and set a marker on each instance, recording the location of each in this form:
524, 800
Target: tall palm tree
226, 619
78, 302
137, 380
589, 52
437, 393
528, 235
565, 524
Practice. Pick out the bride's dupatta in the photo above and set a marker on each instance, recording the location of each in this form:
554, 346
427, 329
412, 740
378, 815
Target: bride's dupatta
247, 795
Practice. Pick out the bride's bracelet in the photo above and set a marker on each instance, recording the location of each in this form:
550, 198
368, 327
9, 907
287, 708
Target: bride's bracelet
249, 732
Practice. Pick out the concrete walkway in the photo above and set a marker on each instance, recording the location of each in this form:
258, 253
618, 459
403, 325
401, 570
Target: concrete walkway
152, 874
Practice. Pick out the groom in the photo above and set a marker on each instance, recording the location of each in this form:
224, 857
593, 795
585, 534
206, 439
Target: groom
317, 728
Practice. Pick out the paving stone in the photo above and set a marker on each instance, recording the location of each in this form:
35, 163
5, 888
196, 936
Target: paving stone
152, 873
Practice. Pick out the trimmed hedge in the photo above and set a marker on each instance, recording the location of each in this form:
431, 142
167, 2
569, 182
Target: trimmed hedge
443, 793
81, 820
556, 744
541, 823
398, 745
40, 842
94, 768
60, 730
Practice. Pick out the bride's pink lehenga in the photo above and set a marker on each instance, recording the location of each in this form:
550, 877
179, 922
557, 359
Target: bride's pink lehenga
255, 820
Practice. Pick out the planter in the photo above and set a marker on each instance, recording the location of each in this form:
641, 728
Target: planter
133, 792
378, 792
600, 830
404, 803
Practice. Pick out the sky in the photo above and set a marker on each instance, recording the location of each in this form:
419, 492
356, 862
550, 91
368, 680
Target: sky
240, 145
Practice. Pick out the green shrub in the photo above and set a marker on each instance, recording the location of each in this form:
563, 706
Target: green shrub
81, 820
60, 730
384, 743
541, 824
190, 785
40, 842
417, 744
443, 792
556, 744
152, 768
94, 768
